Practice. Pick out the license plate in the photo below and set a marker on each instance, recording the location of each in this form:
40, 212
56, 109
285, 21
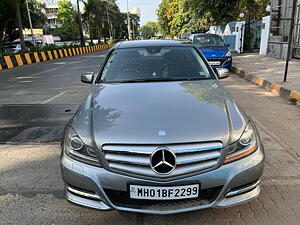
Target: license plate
164, 193
214, 63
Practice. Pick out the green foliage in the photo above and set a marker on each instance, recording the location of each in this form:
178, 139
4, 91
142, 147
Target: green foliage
50, 47
67, 17
254, 9
110, 42
7, 53
149, 29
38, 18
8, 19
176, 17
104, 19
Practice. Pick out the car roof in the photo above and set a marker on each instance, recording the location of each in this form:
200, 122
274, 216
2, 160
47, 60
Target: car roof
150, 43
205, 34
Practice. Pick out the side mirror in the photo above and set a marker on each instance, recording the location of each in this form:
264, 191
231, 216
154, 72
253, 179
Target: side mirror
227, 45
222, 73
87, 77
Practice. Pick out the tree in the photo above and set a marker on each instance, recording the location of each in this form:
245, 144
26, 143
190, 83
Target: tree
38, 18
149, 29
135, 24
67, 17
220, 11
103, 19
19, 24
8, 25
253, 9
176, 17
173, 17
7, 15
93, 17
164, 19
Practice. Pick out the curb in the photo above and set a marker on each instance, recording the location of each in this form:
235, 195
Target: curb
8, 62
269, 86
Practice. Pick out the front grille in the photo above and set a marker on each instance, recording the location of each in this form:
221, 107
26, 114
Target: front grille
221, 60
190, 158
122, 199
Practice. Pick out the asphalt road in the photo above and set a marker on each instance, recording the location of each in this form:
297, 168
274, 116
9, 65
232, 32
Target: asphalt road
37, 100
31, 188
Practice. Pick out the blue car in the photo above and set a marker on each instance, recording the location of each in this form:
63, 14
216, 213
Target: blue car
214, 49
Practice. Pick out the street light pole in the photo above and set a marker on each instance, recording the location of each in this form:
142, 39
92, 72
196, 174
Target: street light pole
30, 23
290, 40
128, 23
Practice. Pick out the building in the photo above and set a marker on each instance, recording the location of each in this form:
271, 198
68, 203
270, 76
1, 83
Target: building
51, 10
281, 12
136, 11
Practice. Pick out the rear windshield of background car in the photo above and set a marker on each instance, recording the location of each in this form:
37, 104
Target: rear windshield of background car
209, 41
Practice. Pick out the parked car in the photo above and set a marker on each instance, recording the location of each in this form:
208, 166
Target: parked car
214, 49
15, 46
70, 43
158, 133
59, 43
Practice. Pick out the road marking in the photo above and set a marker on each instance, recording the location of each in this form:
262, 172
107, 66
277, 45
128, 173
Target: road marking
46, 71
54, 97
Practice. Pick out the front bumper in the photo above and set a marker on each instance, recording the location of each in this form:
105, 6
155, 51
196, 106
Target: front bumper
230, 184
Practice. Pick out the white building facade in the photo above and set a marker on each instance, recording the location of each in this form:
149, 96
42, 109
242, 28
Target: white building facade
281, 12
51, 11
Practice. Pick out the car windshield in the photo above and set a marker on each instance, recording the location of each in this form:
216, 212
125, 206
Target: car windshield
154, 64
209, 41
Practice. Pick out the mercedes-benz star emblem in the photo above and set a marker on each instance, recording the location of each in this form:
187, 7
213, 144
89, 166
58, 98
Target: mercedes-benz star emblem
163, 161
162, 133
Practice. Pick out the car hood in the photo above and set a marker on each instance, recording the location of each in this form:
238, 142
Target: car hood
213, 52
135, 113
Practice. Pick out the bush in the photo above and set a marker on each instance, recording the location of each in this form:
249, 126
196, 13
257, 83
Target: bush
7, 54
110, 42
48, 47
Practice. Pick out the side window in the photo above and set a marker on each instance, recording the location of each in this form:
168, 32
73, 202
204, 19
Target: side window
107, 65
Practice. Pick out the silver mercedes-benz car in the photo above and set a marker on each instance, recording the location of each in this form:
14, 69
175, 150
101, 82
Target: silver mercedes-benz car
157, 133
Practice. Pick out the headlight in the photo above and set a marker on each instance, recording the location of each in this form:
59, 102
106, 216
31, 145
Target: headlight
246, 145
228, 53
76, 149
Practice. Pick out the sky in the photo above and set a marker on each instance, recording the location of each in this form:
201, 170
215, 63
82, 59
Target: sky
148, 8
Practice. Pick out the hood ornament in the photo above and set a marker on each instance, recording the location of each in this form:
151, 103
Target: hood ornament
162, 133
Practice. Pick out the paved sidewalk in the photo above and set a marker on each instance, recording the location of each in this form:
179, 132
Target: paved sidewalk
270, 69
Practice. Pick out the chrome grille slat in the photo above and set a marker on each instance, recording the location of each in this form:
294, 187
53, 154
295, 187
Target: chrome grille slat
135, 159
139, 149
196, 167
197, 157
179, 148
127, 158
141, 170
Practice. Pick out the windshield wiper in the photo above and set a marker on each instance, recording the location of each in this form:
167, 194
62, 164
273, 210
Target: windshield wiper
147, 80
157, 80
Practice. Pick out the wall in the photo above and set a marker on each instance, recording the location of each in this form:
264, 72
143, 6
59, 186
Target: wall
265, 32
